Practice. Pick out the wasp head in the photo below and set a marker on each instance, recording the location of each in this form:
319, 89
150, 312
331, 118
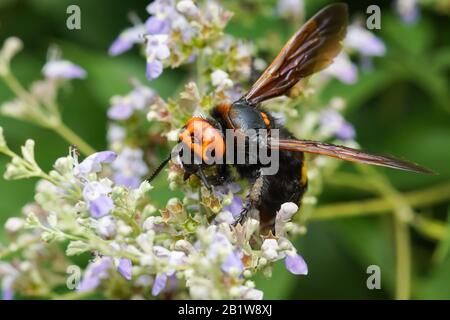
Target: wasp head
204, 141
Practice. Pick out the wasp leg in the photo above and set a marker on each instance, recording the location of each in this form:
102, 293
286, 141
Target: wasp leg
242, 216
254, 199
202, 177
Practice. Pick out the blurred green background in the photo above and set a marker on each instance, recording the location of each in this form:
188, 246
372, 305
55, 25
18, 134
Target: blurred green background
401, 107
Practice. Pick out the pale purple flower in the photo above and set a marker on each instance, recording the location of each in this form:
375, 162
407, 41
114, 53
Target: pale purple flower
101, 206
127, 39
161, 8
154, 69
296, 264
63, 69
343, 69
408, 10
93, 162
8, 274
122, 107
236, 206
8, 287
232, 263
120, 111
172, 283
127, 181
218, 244
333, 123
346, 132
141, 96
95, 194
116, 133
364, 41
159, 284
94, 273
125, 267
7, 293
156, 51
129, 168
176, 259
157, 25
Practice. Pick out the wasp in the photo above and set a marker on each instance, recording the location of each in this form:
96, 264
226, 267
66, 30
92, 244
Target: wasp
311, 49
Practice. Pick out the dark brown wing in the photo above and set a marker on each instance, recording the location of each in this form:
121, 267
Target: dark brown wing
310, 50
348, 154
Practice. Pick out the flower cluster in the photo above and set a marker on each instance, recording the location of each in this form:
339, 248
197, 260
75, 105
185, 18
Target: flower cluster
174, 253
175, 33
103, 209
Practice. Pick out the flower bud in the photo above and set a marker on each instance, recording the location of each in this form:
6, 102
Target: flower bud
11, 47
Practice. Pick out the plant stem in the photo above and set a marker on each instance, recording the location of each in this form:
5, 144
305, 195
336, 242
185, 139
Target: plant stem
73, 138
403, 265
418, 198
16, 87
60, 128
403, 214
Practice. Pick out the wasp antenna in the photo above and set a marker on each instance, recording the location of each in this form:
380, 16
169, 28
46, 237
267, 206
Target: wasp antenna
160, 167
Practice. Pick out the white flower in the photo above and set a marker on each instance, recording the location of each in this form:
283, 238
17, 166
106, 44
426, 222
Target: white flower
13, 225
285, 214
106, 226
157, 47
220, 79
94, 189
188, 7
173, 135
116, 134
269, 249
251, 294
93, 163
291, 8
11, 47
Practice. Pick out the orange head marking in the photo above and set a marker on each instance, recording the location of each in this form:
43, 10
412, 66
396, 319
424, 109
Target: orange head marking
203, 138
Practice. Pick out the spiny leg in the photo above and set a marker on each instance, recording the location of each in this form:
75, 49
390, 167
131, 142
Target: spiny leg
254, 199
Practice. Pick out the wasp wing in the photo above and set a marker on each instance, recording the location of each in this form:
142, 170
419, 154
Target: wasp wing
348, 154
310, 50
